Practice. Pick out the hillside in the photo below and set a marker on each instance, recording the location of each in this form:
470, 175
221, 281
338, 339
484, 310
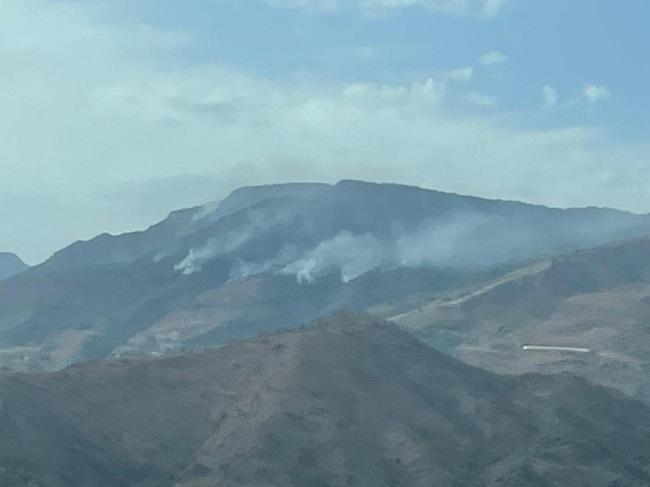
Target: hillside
597, 299
351, 401
274, 256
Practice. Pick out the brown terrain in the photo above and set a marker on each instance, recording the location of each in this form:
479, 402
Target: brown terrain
349, 401
597, 299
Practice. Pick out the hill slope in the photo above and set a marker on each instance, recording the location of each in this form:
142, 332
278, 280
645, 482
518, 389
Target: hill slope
269, 257
352, 401
597, 299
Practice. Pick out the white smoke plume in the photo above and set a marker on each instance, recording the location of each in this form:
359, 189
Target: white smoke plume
353, 255
214, 247
257, 221
243, 269
438, 243
465, 240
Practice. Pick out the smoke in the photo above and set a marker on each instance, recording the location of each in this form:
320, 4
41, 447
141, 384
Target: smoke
465, 240
243, 269
214, 247
436, 243
256, 222
353, 255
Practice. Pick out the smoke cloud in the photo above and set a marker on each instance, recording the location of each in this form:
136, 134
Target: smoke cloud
243, 269
215, 247
464, 240
256, 222
353, 255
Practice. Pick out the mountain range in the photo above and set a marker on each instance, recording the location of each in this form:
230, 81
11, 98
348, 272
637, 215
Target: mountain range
485, 343
349, 401
273, 257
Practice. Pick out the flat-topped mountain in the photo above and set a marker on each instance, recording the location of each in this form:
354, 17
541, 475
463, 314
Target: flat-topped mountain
350, 401
274, 256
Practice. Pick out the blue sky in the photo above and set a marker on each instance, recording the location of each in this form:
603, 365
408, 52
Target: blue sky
116, 112
566, 45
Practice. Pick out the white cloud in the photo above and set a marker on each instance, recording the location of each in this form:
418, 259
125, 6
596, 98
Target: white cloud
315, 5
462, 74
365, 52
550, 95
418, 95
491, 8
480, 99
595, 93
493, 57
481, 8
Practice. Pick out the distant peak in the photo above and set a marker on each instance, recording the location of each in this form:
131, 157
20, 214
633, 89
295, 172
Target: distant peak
11, 257
10, 265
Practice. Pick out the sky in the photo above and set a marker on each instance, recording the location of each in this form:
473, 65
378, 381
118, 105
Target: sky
115, 112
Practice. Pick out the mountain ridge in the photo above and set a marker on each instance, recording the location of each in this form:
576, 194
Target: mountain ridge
349, 245
233, 203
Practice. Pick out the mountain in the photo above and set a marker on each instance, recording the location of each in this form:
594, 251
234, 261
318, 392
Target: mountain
10, 265
349, 401
171, 235
275, 256
598, 299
